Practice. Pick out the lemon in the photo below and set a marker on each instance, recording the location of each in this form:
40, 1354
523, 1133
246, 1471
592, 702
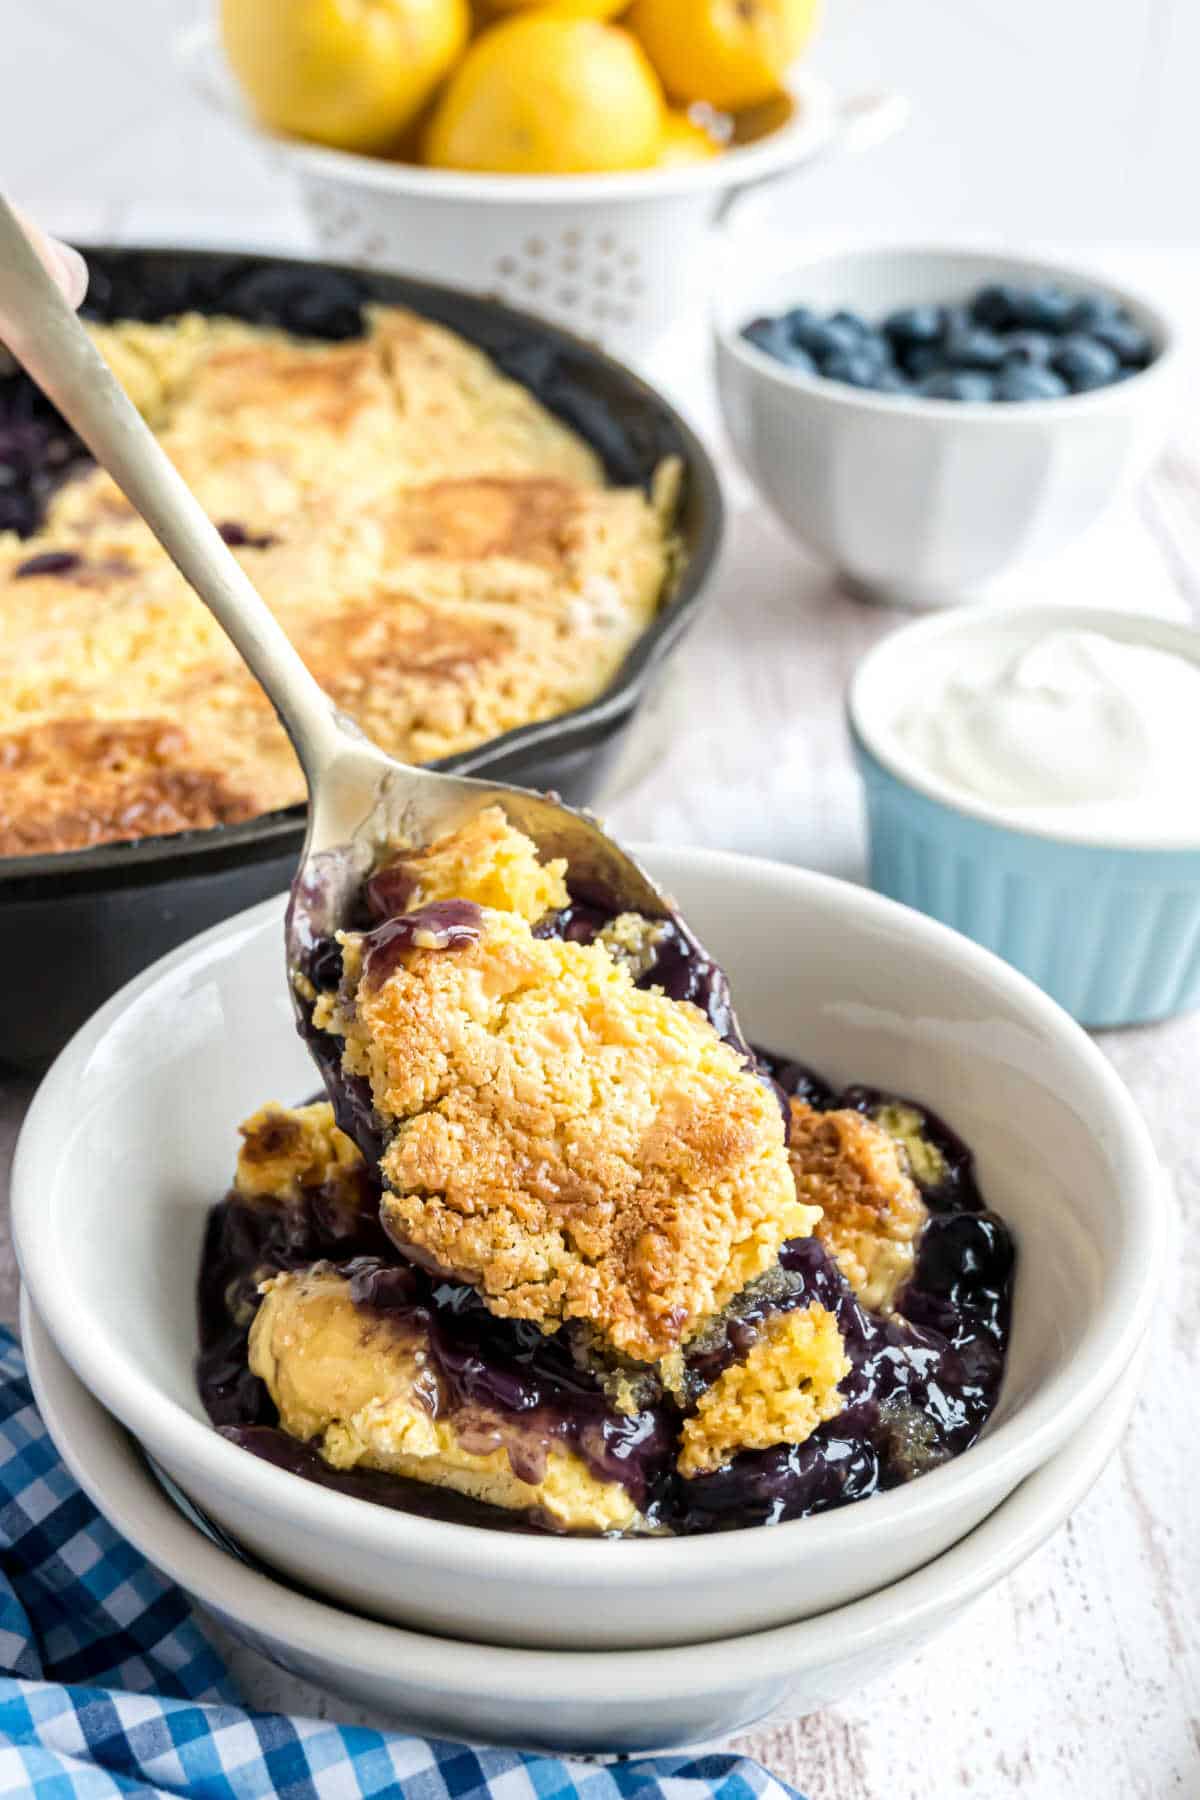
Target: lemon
579, 9
684, 141
732, 53
544, 93
348, 73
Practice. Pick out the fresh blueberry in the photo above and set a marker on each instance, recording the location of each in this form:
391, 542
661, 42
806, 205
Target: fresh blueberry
972, 347
1125, 339
854, 322
1025, 382
798, 318
1091, 311
956, 320
1045, 308
922, 360
825, 337
891, 381
857, 368
770, 335
913, 325
956, 384
1084, 362
1028, 348
999, 306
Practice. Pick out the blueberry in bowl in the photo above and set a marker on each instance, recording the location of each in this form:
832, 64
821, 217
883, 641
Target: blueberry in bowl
936, 351
982, 411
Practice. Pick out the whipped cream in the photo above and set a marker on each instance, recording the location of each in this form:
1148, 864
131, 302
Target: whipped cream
1075, 731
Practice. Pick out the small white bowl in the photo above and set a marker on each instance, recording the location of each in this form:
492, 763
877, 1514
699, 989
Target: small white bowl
562, 1701
1108, 924
132, 1134
922, 502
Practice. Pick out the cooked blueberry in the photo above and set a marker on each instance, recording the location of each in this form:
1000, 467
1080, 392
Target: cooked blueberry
770, 335
956, 384
1084, 362
1045, 308
913, 325
1019, 382
857, 368
999, 305
972, 347
1126, 340
1028, 347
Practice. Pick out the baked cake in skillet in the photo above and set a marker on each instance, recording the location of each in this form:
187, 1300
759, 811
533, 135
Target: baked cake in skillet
444, 552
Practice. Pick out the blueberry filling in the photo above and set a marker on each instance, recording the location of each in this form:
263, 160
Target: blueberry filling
239, 538
50, 562
443, 925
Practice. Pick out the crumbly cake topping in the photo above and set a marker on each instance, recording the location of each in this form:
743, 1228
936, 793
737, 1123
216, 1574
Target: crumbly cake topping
574, 1146
75, 782
442, 551
872, 1213
484, 861
286, 1149
786, 1385
365, 1392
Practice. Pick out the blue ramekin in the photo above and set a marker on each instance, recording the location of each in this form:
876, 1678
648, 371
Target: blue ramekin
1110, 931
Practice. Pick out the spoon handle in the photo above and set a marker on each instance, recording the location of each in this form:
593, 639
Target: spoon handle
42, 332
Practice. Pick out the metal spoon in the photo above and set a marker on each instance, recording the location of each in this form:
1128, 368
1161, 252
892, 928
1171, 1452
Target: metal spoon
360, 799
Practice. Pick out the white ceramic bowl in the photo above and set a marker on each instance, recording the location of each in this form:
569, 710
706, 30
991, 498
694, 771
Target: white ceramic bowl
131, 1137
563, 1700
616, 257
922, 502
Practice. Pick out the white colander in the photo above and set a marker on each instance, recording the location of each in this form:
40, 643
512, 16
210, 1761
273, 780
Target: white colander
616, 258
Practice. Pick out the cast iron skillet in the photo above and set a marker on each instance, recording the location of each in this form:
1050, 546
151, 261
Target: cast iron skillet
75, 926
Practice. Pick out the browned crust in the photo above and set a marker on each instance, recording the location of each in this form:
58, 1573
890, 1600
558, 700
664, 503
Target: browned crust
871, 1210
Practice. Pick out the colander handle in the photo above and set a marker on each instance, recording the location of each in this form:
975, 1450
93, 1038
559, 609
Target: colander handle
860, 123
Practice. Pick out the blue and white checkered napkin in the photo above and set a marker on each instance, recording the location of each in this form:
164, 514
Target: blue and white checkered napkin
108, 1687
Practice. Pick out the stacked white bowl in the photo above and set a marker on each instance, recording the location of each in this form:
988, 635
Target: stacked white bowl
569, 1643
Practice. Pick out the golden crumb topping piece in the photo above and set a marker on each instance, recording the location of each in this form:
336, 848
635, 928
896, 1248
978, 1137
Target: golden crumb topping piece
286, 1149
485, 861
572, 1145
364, 1390
872, 1213
785, 1387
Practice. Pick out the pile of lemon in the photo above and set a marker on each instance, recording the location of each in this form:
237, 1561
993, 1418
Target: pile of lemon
520, 86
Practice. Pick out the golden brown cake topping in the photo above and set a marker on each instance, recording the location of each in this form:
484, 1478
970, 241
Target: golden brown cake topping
573, 1145
871, 1210
785, 1386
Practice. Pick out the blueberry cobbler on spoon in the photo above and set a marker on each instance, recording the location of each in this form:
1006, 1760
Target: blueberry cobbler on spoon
561, 1252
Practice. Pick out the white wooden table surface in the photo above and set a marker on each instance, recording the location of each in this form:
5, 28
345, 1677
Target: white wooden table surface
1080, 1675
